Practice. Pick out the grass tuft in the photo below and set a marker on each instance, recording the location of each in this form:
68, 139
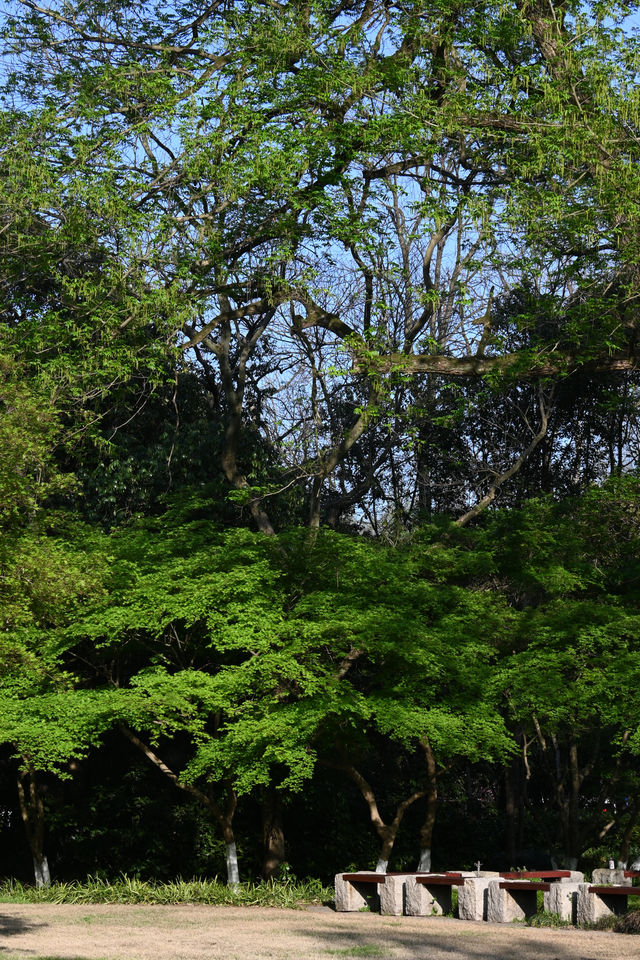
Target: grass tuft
545, 919
364, 950
284, 893
628, 922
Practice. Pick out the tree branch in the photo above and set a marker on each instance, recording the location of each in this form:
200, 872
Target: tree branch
511, 472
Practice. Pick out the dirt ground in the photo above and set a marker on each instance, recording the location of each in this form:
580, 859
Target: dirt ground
240, 933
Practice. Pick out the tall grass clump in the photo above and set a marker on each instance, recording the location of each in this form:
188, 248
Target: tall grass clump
628, 922
291, 893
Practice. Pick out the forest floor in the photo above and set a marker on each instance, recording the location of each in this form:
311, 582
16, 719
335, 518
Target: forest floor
104, 932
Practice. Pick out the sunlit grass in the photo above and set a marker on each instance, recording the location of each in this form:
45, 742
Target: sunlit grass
285, 893
364, 950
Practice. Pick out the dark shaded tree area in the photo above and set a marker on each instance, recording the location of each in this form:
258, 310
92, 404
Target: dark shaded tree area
466, 691
320, 437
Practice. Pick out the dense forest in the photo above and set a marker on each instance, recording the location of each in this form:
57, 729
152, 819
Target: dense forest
320, 436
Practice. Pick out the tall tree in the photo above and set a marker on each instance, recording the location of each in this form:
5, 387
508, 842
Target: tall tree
353, 184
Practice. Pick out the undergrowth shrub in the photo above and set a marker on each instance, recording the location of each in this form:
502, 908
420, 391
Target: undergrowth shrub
286, 893
603, 923
628, 923
545, 919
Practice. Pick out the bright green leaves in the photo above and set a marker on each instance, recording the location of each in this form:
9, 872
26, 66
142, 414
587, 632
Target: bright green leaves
29, 429
50, 729
48, 713
253, 659
264, 653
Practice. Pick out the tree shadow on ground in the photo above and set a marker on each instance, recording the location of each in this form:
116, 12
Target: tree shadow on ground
460, 944
12, 925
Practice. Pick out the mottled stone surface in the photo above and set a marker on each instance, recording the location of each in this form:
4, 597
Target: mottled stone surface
503, 906
414, 905
592, 906
562, 898
606, 878
355, 896
576, 877
392, 894
423, 901
473, 898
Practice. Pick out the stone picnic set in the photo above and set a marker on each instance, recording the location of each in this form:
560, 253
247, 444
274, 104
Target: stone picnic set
487, 895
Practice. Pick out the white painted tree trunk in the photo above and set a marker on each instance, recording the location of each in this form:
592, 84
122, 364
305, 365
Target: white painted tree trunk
424, 863
571, 863
41, 871
233, 874
381, 866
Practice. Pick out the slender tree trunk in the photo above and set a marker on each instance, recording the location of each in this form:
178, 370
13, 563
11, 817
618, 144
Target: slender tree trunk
387, 832
574, 807
225, 819
510, 814
233, 873
431, 794
623, 856
224, 816
272, 834
32, 810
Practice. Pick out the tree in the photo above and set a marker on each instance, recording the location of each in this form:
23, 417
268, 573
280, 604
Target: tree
46, 575
354, 185
236, 664
568, 681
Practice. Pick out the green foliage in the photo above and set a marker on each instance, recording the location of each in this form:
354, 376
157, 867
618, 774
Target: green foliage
269, 183
270, 629
29, 431
47, 576
545, 919
287, 894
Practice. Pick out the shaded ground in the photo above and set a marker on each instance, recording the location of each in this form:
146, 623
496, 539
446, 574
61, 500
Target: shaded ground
104, 932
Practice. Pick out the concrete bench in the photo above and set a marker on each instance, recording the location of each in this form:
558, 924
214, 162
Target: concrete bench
513, 899
562, 896
568, 876
357, 891
597, 900
562, 899
473, 897
429, 894
393, 894
369, 890
603, 877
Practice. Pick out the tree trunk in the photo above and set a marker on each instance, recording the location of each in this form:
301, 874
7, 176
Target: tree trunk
32, 810
272, 834
431, 793
387, 832
41, 871
233, 873
510, 815
574, 805
223, 816
225, 819
623, 855
234, 394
